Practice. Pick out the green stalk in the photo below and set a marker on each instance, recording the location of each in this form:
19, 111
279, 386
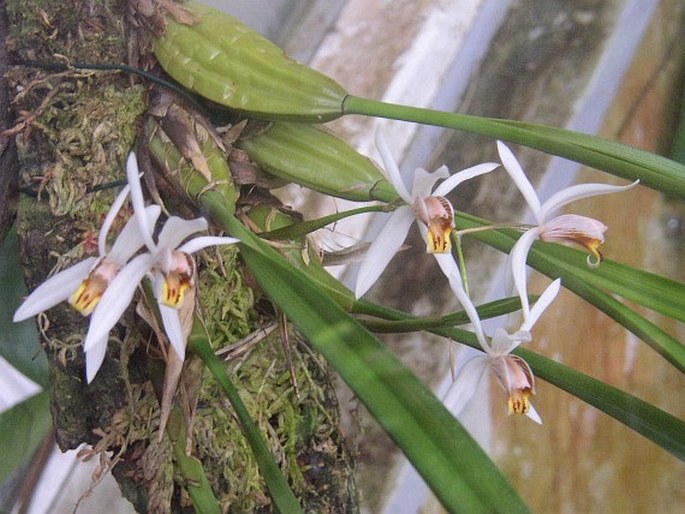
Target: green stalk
621, 160
394, 326
300, 229
283, 498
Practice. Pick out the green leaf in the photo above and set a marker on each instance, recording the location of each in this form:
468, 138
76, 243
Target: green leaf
18, 341
280, 492
453, 465
621, 160
569, 264
653, 291
22, 428
196, 482
653, 423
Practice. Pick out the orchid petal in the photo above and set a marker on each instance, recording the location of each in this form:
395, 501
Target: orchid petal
109, 219
578, 192
465, 384
173, 329
383, 249
116, 299
451, 270
198, 243
130, 239
503, 343
425, 180
519, 177
133, 176
508, 278
94, 358
474, 171
176, 229
533, 414
544, 301
391, 168
54, 290
519, 255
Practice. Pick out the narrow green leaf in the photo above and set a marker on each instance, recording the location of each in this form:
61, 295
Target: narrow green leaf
668, 347
454, 466
196, 482
283, 498
18, 341
559, 261
653, 291
653, 423
22, 428
621, 160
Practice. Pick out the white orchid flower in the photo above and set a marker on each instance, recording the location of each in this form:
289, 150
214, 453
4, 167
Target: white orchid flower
512, 372
569, 228
425, 204
169, 263
84, 283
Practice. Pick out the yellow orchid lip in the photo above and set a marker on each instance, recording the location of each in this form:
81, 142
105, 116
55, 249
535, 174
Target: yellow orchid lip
178, 279
437, 213
516, 377
174, 288
580, 230
519, 402
88, 294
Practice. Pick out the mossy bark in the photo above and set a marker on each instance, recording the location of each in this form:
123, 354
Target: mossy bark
74, 134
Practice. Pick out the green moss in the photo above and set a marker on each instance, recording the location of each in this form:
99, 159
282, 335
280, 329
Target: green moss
301, 431
41, 29
226, 303
91, 128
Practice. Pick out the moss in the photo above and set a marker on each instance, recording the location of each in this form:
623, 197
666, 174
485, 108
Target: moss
226, 302
84, 32
301, 431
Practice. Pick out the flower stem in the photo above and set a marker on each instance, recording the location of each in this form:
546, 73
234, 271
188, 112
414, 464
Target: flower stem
621, 160
461, 261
